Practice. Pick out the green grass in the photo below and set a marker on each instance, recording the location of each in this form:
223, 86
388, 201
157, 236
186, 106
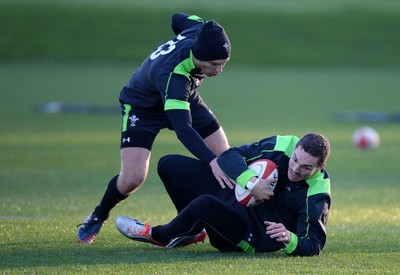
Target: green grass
295, 64
54, 168
277, 33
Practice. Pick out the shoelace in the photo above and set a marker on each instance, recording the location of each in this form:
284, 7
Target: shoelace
146, 230
90, 221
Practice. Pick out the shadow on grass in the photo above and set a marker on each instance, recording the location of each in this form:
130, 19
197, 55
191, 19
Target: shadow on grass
52, 255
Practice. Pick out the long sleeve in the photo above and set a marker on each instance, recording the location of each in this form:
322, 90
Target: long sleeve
182, 21
181, 121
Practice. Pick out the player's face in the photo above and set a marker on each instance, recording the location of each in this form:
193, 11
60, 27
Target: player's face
213, 67
302, 165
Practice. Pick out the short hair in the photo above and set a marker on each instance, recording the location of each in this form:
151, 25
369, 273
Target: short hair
316, 145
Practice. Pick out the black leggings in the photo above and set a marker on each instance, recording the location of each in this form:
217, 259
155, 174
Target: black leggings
201, 203
225, 227
187, 178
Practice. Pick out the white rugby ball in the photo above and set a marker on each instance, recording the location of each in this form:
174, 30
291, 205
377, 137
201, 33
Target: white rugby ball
265, 169
366, 138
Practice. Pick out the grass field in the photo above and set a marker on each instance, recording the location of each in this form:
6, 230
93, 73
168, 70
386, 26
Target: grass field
54, 168
319, 33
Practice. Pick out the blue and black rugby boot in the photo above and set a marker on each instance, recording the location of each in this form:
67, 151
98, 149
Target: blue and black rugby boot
89, 229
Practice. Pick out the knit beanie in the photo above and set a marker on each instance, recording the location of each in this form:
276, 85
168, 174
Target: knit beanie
211, 43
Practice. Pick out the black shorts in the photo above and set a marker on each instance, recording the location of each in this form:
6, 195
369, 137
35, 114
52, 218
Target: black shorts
141, 126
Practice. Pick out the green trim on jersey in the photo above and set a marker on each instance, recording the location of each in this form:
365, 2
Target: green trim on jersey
292, 244
174, 104
318, 185
182, 68
246, 247
127, 109
196, 18
185, 66
286, 144
245, 177
257, 157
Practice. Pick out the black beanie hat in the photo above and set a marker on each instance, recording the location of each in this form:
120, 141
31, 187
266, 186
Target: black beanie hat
211, 43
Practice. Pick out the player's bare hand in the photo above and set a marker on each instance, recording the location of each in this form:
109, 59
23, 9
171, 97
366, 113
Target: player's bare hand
261, 191
223, 179
277, 231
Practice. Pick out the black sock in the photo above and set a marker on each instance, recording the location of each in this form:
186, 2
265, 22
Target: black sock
111, 198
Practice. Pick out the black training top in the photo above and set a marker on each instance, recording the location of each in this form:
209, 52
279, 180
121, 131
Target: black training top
302, 206
167, 77
165, 81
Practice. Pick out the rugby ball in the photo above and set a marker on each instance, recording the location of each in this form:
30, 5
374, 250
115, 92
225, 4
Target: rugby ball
366, 138
265, 169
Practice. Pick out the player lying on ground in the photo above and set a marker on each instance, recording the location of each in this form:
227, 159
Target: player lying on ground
293, 217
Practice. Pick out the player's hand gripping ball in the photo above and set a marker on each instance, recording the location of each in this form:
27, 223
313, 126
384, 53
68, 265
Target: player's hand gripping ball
265, 169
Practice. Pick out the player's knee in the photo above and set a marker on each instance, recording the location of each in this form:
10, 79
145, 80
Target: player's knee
166, 164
